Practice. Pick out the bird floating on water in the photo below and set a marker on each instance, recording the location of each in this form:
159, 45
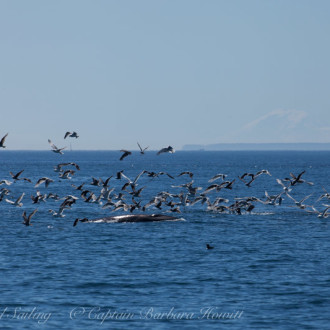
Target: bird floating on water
209, 247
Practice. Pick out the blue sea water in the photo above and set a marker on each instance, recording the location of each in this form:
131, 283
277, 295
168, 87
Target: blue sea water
269, 269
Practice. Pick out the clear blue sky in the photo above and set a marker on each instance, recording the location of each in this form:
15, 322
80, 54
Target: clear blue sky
164, 72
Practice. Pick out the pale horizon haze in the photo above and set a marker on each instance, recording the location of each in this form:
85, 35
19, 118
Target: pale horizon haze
163, 73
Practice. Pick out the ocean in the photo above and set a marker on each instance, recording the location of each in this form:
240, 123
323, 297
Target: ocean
269, 267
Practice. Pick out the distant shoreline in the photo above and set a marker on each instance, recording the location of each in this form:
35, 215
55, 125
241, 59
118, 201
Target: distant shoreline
258, 146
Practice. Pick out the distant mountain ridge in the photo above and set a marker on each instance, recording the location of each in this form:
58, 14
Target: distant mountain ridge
257, 146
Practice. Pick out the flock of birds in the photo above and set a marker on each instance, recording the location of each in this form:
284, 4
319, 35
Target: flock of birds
130, 197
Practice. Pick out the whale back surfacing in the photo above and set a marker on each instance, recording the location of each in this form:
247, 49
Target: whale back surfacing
135, 218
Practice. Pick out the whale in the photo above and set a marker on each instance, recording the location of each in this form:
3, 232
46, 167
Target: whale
130, 218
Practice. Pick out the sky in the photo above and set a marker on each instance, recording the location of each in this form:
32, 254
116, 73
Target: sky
163, 73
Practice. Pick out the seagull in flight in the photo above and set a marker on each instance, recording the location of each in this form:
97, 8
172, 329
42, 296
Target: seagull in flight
252, 176
188, 173
66, 175
45, 180
81, 220
322, 214
2, 141
298, 179
73, 135
142, 150
125, 154
55, 149
27, 219
325, 195
58, 167
17, 202
38, 198
285, 188
16, 176
218, 176
169, 149
59, 213
299, 203
6, 182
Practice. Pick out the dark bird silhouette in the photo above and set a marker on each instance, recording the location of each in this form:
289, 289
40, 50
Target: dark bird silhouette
212, 187
154, 174
78, 187
121, 174
228, 184
2, 141
68, 201
58, 167
16, 176
73, 135
253, 176
142, 150
66, 174
95, 182
27, 219
298, 179
106, 182
218, 176
38, 198
169, 149
56, 197
209, 247
125, 154
187, 173
45, 180
136, 193
81, 220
